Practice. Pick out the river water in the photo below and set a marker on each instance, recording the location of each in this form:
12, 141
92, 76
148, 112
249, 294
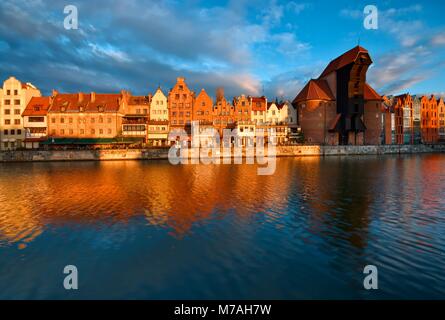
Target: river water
151, 230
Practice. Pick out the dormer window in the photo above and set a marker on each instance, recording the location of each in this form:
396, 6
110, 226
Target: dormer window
81, 109
63, 108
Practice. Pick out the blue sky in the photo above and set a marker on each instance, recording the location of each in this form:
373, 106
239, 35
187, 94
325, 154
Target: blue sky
252, 47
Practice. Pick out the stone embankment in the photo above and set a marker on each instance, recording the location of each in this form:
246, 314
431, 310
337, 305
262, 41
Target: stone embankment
154, 154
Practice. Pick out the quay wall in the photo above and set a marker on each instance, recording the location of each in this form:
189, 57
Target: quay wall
154, 154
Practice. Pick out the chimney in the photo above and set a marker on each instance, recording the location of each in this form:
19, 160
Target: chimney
93, 96
80, 96
54, 93
180, 79
219, 94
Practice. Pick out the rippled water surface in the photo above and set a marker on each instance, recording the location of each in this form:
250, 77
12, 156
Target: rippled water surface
150, 230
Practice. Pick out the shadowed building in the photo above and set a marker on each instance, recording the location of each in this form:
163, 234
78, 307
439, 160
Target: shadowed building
340, 107
404, 119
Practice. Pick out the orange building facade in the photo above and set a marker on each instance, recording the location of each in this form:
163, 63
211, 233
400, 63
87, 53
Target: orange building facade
180, 104
429, 120
223, 113
441, 113
203, 108
82, 115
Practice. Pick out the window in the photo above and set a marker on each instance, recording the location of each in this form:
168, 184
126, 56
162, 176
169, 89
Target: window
7, 111
16, 92
70, 120
53, 132
19, 131
62, 131
17, 121
7, 102
101, 120
17, 102
62, 120
109, 131
53, 120
92, 121
71, 131
8, 92
12, 131
82, 131
93, 131
101, 131
5, 132
7, 121
109, 120
145, 111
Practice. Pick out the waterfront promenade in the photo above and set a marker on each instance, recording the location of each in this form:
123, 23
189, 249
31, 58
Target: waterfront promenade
162, 153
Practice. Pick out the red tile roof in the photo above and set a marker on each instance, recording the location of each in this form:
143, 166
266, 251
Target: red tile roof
262, 103
343, 60
315, 90
37, 106
72, 102
371, 94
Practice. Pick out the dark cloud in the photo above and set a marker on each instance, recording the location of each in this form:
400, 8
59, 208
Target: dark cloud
135, 45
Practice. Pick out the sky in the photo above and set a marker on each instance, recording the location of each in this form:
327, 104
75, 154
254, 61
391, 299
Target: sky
251, 47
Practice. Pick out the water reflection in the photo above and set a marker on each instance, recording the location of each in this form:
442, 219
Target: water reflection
338, 213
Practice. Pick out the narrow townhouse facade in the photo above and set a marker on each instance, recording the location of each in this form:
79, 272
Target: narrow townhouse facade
429, 120
245, 127
15, 97
289, 116
404, 119
417, 119
35, 121
259, 110
388, 121
180, 106
158, 126
223, 113
340, 108
243, 109
273, 116
136, 114
203, 108
441, 119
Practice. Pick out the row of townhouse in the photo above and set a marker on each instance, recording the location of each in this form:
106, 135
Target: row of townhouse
413, 119
29, 120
